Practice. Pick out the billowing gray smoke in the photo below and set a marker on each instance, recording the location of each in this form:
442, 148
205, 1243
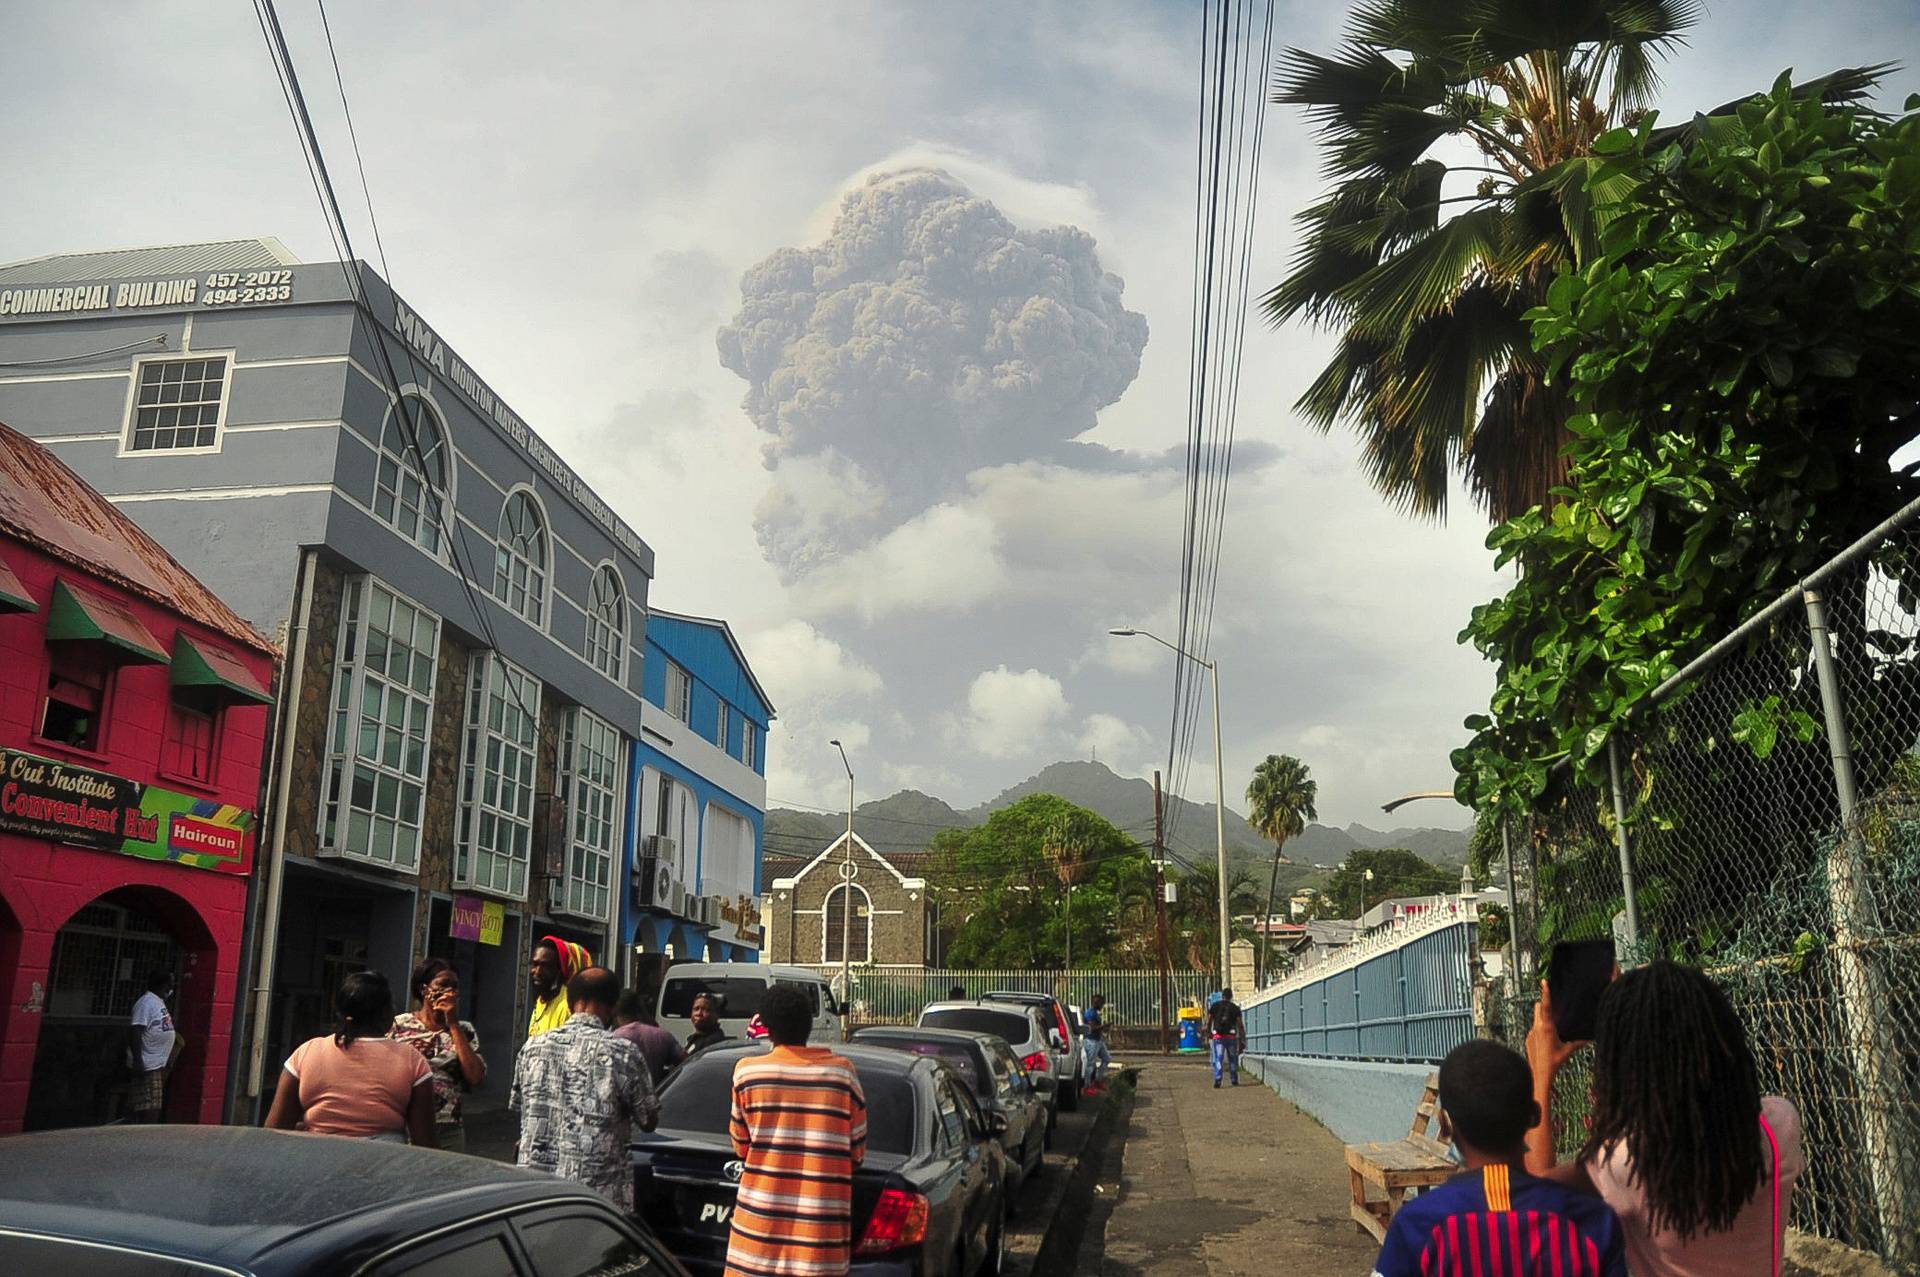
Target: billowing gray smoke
926, 337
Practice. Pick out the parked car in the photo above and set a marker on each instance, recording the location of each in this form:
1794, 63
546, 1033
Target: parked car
740, 986
1000, 1084
1019, 1027
1069, 1066
202, 1201
928, 1201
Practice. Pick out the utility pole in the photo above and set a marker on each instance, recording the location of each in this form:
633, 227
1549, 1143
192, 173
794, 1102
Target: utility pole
1160, 918
1069, 926
847, 872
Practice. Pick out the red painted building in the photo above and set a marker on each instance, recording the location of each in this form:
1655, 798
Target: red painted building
133, 725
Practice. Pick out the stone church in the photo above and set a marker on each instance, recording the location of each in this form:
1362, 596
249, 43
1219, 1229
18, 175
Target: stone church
888, 922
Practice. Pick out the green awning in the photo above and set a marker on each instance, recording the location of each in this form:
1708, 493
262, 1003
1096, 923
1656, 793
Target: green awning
79, 616
13, 595
197, 663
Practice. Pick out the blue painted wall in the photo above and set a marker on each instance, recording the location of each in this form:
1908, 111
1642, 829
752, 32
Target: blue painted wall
718, 675
1357, 1100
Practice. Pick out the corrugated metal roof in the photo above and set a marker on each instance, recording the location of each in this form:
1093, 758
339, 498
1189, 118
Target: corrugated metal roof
45, 504
164, 259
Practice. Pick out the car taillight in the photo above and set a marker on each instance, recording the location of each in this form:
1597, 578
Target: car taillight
1066, 1034
899, 1219
1037, 1062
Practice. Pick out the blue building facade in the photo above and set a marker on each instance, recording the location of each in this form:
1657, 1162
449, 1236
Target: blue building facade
697, 796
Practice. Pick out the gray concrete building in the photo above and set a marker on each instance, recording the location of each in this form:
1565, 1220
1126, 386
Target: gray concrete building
462, 614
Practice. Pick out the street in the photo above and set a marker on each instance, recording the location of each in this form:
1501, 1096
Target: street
1224, 1182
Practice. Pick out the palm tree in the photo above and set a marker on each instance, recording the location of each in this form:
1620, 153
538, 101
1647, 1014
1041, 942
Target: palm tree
1065, 845
1426, 266
1195, 916
1434, 368
1279, 805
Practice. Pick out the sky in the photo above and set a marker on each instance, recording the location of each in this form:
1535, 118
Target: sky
873, 320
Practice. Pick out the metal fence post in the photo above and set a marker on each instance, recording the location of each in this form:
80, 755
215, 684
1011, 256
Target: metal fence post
1620, 840
1855, 922
1513, 911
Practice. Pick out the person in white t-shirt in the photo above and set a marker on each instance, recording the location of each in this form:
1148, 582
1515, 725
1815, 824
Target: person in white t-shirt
150, 1049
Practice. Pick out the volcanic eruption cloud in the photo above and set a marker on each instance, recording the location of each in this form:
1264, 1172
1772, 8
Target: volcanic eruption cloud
926, 337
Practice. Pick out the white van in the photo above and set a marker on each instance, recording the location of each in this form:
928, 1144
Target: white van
739, 986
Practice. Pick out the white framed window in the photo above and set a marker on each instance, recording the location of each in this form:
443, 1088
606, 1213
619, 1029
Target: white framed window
749, 740
590, 765
839, 917
520, 557
607, 622
411, 486
720, 725
679, 692
178, 403
726, 852
383, 677
495, 846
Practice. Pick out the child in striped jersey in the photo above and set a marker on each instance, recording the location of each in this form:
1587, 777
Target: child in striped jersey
1494, 1219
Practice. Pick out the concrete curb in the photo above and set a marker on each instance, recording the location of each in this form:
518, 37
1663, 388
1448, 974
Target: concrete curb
1067, 1229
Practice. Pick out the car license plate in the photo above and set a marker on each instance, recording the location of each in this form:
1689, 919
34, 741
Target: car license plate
707, 1210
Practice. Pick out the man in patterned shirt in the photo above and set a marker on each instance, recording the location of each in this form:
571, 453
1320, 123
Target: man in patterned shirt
580, 1091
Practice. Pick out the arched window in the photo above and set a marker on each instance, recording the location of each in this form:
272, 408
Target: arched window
520, 557
410, 490
837, 920
607, 622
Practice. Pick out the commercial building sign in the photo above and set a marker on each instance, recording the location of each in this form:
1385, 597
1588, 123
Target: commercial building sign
477, 919
216, 288
81, 807
742, 913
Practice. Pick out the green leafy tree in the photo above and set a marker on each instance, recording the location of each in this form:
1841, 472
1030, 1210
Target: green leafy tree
1194, 919
1004, 879
1425, 267
1279, 804
1396, 872
1744, 352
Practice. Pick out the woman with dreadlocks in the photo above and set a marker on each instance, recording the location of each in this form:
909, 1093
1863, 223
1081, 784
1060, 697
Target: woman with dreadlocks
1697, 1164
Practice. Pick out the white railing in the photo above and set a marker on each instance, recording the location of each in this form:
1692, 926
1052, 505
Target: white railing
1441, 911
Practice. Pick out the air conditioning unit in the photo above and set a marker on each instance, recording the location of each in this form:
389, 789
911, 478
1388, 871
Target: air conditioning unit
710, 910
657, 845
655, 886
678, 899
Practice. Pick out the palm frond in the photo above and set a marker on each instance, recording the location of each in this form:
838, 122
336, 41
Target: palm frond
1517, 452
1424, 277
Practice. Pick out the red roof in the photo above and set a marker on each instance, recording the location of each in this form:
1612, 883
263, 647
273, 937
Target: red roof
47, 505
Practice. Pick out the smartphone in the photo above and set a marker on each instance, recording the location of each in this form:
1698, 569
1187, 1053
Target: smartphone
1581, 972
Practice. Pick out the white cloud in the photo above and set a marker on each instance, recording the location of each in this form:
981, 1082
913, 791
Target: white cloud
1123, 746
1012, 713
945, 560
798, 665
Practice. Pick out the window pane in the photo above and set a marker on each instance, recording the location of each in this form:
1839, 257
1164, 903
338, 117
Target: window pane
580, 1246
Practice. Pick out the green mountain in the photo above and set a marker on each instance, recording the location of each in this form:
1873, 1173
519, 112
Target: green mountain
908, 820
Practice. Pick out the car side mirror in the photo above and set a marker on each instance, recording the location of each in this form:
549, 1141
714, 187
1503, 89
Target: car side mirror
1059, 1043
996, 1123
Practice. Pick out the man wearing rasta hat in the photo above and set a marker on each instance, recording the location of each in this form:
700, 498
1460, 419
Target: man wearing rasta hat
555, 961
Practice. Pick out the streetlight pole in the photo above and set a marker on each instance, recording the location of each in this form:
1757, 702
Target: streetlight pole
1219, 794
846, 905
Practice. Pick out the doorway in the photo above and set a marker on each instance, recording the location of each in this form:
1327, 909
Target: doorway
102, 960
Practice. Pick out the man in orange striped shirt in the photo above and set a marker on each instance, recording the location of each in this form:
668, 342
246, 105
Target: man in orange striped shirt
800, 1124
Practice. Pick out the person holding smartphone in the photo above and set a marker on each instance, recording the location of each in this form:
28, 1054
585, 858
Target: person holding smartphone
1699, 1166
448, 1043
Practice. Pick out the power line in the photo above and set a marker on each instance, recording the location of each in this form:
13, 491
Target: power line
315, 158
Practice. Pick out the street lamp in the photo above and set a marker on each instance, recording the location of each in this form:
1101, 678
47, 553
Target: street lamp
1219, 791
1506, 851
846, 904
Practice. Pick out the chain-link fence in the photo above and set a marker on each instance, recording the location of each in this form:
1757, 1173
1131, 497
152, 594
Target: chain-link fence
1763, 823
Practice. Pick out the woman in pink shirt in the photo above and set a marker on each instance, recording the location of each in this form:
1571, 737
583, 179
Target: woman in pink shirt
1698, 1165
358, 1081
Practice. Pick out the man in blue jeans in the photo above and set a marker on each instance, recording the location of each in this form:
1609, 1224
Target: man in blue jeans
1229, 1034
1099, 1059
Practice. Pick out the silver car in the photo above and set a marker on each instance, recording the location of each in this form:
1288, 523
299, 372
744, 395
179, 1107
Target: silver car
1020, 1027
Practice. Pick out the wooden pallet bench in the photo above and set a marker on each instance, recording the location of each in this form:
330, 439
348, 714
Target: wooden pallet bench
1384, 1171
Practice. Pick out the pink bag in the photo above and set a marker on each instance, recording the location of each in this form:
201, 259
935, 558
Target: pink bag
1773, 1236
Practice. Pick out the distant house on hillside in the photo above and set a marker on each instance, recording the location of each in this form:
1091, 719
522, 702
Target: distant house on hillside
881, 918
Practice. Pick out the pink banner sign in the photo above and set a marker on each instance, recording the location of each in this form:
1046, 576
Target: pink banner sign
469, 912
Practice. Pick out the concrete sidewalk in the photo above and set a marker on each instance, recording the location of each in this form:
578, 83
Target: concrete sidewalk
1226, 1182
